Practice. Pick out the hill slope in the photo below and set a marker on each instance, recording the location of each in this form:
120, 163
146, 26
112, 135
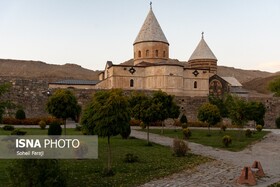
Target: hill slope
42, 70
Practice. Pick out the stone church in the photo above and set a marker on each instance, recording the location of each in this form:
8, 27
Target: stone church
152, 69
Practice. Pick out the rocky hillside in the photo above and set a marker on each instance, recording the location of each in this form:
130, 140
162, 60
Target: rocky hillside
42, 70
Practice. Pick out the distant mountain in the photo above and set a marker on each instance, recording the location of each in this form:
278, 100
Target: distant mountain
42, 70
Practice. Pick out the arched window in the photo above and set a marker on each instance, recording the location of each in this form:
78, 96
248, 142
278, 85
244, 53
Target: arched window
131, 83
156, 53
147, 53
195, 84
164, 54
139, 53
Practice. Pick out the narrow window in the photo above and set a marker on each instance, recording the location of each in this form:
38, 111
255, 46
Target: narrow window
156, 53
147, 53
139, 53
131, 82
164, 54
195, 84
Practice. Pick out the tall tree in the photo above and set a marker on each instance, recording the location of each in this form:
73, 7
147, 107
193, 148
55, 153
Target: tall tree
209, 113
274, 86
239, 111
109, 116
63, 104
256, 112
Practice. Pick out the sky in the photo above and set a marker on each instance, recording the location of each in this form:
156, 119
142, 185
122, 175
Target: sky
241, 33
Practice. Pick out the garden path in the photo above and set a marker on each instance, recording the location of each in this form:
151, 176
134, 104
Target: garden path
224, 171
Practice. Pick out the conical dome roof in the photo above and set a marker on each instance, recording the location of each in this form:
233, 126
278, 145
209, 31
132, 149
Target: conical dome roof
150, 30
202, 51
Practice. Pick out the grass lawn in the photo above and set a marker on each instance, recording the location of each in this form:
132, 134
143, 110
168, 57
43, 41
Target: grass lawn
239, 140
154, 162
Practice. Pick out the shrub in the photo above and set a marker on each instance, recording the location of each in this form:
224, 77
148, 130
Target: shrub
227, 140
187, 133
18, 132
183, 119
8, 128
259, 128
54, 129
197, 124
223, 127
277, 122
29, 121
184, 125
180, 148
20, 114
42, 124
248, 133
126, 132
131, 158
36, 172
142, 125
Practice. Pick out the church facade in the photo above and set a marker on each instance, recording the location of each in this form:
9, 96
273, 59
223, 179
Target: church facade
151, 68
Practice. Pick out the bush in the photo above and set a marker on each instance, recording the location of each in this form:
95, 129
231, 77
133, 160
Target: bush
180, 148
183, 119
20, 114
248, 133
42, 124
8, 128
130, 158
277, 122
29, 121
18, 132
55, 129
126, 132
142, 125
197, 124
223, 127
184, 125
259, 128
36, 172
187, 133
134, 122
227, 140
78, 127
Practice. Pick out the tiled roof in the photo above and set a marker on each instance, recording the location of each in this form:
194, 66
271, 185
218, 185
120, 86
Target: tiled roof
77, 82
151, 30
232, 81
202, 51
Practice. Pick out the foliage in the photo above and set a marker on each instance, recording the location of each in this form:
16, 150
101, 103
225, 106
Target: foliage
180, 148
134, 122
223, 127
29, 121
143, 125
131, 158
227, 140
183, 119
221, 103
177, 123
63, 104
54, 129
185, 125
18, 132
78, 127
37, 172
8, 128
277, 122
42, 124
248, 133
4, 104
274, 86
126, 132
209, 113
20, 114
256, 111
187, 133
197, 124
238, 112
259, 128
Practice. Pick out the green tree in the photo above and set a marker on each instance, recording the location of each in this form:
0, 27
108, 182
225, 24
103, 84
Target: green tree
4, 104
274, 86
221, 103
63, 104
209, 113
109, 116
239, 112
256, 112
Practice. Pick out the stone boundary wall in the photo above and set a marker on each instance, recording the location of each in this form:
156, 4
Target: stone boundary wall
31, 95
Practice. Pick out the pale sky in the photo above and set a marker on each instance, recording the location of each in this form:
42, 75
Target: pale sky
241, 33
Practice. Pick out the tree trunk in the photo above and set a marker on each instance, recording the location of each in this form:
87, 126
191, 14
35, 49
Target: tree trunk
148, 131
64, 120
109, 166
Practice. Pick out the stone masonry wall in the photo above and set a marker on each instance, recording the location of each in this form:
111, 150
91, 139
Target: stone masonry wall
31, 95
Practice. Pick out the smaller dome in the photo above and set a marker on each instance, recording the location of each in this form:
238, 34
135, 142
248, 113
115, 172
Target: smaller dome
202, 51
